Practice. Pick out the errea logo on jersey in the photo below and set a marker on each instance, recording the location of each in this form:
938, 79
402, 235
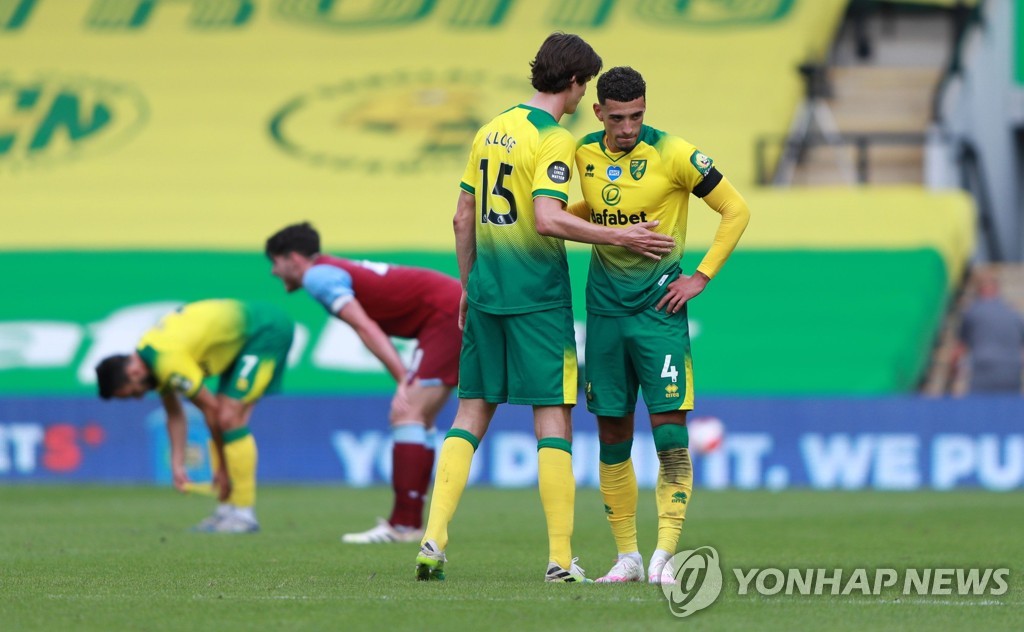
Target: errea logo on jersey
56, 118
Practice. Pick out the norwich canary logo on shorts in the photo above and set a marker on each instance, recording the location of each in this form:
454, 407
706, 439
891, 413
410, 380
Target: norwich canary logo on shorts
56, 118
701, 162
637, 168
590, 395
241, 384
671, 391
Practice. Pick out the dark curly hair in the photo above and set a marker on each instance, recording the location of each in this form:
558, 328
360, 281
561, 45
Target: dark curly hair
111, 375
301, 238
561, 58
621, 84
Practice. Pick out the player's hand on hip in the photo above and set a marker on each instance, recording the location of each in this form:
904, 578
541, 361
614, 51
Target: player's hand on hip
681, 290
641, 239
400, 406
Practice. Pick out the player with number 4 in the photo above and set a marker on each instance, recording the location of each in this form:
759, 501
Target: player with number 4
246, 344
637, 333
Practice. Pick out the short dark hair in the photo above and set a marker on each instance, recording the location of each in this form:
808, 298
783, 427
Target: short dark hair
301, 238
622, 84
111, 375
561, 58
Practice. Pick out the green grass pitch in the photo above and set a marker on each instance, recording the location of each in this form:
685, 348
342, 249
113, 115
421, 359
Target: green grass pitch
121, 558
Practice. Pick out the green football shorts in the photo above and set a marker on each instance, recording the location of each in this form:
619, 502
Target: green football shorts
519, 358
649, 350
258, 369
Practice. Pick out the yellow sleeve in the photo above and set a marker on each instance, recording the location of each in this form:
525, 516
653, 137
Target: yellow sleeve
555, 160
580, 210
179, 373
728, 202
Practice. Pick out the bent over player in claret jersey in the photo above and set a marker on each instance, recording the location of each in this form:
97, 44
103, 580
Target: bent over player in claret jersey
380, 300
637, 332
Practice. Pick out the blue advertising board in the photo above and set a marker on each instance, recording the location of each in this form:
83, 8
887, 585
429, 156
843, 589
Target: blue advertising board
883, 444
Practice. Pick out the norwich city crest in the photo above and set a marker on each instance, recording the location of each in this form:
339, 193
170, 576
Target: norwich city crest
637, 168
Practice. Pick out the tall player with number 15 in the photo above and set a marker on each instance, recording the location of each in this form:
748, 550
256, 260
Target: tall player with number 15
518, 344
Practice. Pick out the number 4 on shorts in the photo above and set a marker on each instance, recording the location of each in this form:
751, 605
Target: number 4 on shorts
669, 370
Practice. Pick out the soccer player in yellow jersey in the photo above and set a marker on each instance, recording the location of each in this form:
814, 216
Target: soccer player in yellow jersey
246, 344
518, 344
637, 332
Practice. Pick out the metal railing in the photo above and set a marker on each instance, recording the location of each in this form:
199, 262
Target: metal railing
794, 152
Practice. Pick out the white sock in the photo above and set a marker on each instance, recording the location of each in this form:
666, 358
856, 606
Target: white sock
223, 509
659, 557
635, 556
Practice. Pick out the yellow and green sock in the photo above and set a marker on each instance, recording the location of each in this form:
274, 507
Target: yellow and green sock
618, 488
241, 455
557, 495
449, 482
675, 482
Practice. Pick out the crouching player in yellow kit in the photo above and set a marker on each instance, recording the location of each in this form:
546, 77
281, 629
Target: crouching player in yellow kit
247, 346
637, 332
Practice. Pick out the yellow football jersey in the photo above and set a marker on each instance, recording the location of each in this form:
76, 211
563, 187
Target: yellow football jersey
651, 182
521, 154
198, 340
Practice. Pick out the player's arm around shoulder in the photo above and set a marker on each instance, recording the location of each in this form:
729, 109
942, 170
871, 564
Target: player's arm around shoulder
580, 209
554, 221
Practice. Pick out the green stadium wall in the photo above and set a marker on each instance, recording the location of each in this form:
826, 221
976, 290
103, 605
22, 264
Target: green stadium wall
856, 321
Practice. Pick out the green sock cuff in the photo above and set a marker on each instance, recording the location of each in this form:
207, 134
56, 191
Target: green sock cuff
236, 434
670, 437
458, 433
615, 453
555, 444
